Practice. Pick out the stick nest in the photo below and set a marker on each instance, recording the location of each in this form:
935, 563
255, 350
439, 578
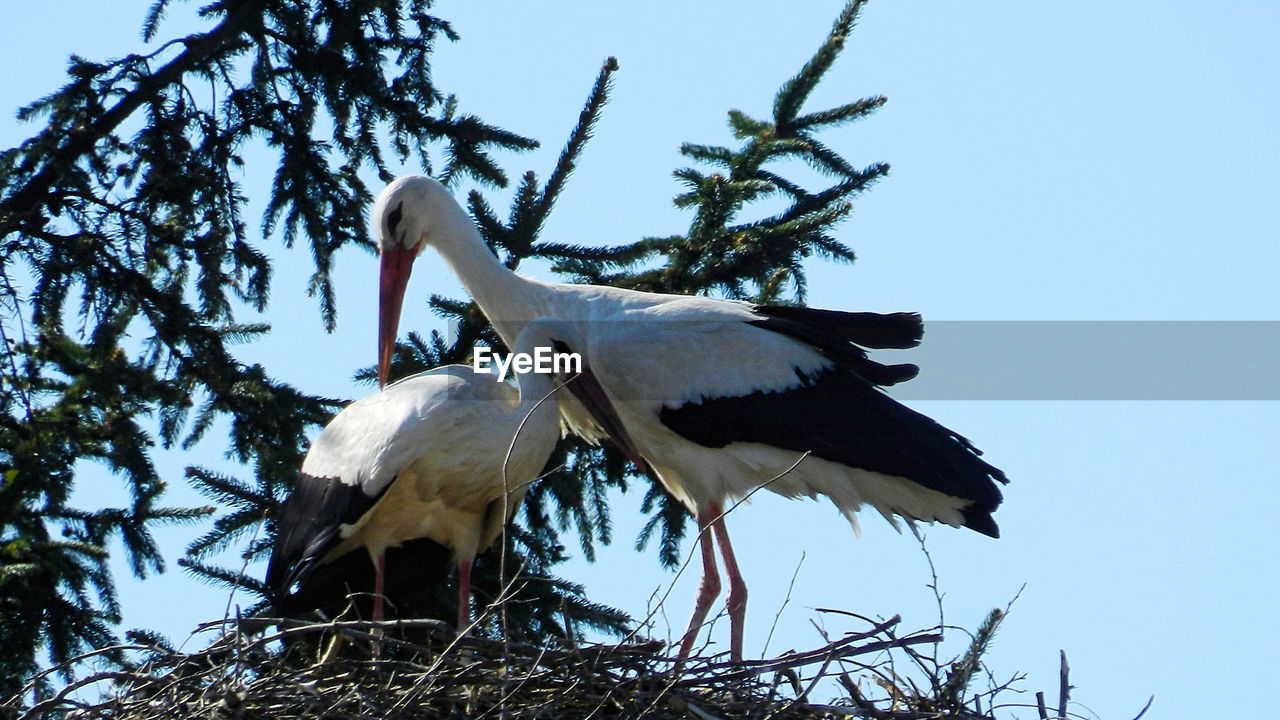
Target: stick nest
421, 670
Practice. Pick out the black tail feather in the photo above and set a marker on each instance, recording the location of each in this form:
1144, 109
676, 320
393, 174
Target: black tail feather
870, 330
979, 518
842, 336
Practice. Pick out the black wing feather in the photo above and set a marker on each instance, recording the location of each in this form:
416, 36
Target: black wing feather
414, 584
839, 416
308, 526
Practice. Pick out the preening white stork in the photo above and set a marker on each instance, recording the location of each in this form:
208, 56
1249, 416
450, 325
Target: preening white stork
446, 455
716, 397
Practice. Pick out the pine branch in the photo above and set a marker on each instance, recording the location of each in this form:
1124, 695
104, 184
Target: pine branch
577, 140
794, 92
23, 202
839, 115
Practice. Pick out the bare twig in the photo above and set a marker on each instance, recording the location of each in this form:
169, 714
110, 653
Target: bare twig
785, 601
1145, 708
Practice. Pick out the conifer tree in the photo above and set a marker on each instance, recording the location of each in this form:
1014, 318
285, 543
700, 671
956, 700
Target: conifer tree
141, 233
127, 258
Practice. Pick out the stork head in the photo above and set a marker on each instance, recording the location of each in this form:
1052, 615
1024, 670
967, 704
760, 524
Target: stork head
409, 214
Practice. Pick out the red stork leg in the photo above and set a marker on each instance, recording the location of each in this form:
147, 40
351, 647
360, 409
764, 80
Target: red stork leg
709, 588
737, 599
464, 595
379, 570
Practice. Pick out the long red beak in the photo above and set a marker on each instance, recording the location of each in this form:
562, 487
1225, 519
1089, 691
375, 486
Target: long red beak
586, 388
393, 278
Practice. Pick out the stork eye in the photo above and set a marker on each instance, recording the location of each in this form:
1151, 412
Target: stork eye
394, 217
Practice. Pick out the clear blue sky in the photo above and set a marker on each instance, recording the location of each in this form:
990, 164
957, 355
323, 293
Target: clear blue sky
1099, 162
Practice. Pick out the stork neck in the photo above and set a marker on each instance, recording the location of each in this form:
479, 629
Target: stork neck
533, 388
508, 300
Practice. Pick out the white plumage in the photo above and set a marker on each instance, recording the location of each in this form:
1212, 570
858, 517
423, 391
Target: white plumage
446, 455
716, 397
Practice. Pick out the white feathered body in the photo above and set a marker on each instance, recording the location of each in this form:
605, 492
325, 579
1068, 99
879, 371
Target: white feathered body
444, 437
